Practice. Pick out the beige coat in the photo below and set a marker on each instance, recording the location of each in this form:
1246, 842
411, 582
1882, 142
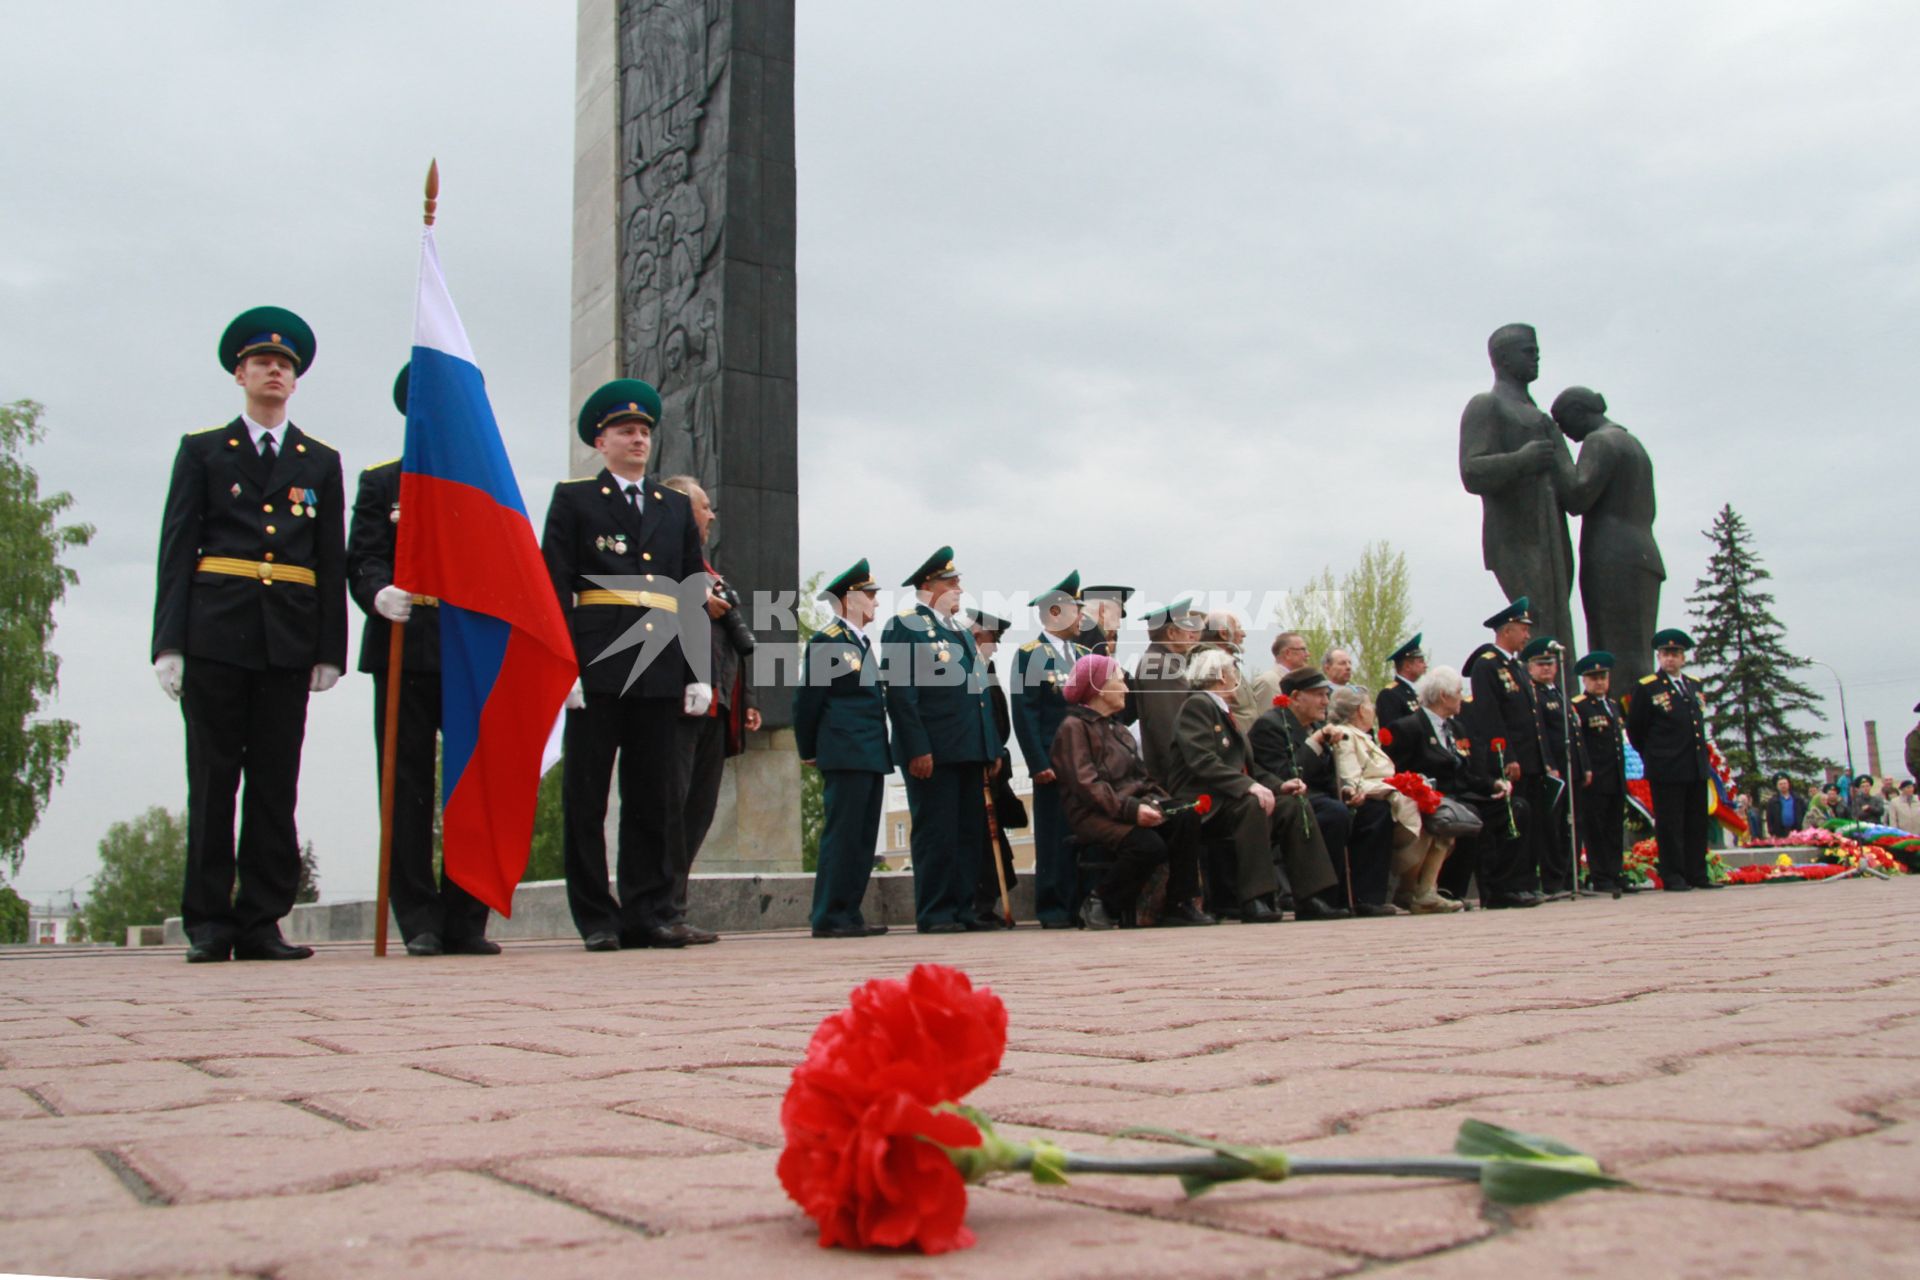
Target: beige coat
1362, 763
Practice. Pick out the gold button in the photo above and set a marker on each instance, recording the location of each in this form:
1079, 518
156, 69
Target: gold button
649, 577
269, 528
646, 555
268, 508
649, 626
269, 555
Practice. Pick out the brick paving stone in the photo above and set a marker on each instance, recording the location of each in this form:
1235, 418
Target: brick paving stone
42, 1184
399, 1109
696, 1193
1877, 1171
16, 1104
142, 1086
257, 1121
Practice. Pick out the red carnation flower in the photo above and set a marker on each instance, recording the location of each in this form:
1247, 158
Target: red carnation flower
1386, 737
1282, 700
1203, 806
864, 1155
1465, 744
1499, 744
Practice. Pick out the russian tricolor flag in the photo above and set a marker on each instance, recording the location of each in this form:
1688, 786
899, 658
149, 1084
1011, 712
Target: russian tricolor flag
506, 660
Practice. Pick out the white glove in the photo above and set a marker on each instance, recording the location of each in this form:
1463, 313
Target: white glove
169, 668
699, 698
324, 678
576, 698
393, 604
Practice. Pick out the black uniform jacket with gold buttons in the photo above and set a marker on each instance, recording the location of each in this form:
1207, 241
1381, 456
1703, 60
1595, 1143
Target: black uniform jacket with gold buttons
1558, 727
371, 538
1668, 728
1601, 730
1504, 706
592, 532
269, 529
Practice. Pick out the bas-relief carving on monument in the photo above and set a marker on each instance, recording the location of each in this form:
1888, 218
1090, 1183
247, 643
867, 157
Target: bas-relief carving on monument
1516, 459
673, 58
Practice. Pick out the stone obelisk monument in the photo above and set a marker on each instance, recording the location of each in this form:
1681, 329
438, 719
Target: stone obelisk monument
683, 253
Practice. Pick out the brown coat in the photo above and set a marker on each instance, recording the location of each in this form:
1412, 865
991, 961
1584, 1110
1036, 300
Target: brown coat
1103, 781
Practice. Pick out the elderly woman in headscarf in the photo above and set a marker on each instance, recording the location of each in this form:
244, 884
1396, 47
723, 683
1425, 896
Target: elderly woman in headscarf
1113, 803
1364, 766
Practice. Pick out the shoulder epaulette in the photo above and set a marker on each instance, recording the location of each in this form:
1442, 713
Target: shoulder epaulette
1081, 650
326, 444
579, 479
376, 466
207, 431
831, 629
1491, 654
1650, 679
908, 612
1029, 646
1579, 698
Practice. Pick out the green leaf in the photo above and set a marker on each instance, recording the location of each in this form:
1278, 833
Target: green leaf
1478, 1138
1535, 1181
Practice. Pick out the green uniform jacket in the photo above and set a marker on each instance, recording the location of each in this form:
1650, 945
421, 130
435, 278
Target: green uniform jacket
1039, 698
936, 690
840, 708
1669, 729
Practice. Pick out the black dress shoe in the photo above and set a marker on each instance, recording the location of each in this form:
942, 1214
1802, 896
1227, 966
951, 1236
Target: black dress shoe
1258, 911
1093, 914
1373, 910
1676, 886
1625, 886
1558, 895
1058, 924
471, 947
875, 930
270, 949
842, 931
1318, 908
209, 952
425, 944
984, 924
1184, 915
1511, 901
605, 940
695, 935
945, 926
670, 938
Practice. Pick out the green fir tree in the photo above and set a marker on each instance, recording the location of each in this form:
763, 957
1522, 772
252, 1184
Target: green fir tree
1746, 670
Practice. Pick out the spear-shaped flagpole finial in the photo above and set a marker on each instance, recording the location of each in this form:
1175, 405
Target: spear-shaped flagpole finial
433, 188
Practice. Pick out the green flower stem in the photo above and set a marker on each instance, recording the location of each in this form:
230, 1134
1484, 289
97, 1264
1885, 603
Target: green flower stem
1226, 1169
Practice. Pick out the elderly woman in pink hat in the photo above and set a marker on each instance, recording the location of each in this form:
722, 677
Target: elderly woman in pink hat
1111, 802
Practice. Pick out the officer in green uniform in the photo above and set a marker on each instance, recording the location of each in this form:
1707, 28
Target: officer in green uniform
840, 727
1039, 705
249, 618
1542, 658
1603, 800
943, 737
437, 917
1668, 726
1398, 700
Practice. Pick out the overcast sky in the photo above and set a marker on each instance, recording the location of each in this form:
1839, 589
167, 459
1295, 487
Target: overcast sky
1183, 296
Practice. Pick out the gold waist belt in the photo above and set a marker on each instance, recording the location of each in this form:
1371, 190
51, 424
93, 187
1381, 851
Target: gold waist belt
426, 600
265, 570
643, 599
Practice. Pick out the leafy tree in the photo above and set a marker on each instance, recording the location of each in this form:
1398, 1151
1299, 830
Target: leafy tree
811, 616
1367, 613
546, 858
33, 751
1746, 671
142, 866
13, 915
309, 888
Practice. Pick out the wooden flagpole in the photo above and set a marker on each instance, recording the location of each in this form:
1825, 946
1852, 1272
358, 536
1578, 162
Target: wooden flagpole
390, 730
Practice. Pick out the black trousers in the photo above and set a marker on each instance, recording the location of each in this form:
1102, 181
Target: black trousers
701, 757
420, 903
986, 885
853, 803
1497, 857
1359, 843
949, 830
246, 726
1602, 819
1680, 827
641, 733
1175, 842
1555, 839
1056, 884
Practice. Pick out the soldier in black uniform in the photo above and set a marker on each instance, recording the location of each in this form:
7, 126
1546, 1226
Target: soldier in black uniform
249, 617
1503, 709
1040, 676
943, 736
1668, 727
1557, 878
1603, 799
625, 559
840, 727
435, 918
1398, 699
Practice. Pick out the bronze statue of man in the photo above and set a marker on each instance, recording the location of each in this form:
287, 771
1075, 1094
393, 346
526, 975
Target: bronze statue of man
1508, 453
1611, 489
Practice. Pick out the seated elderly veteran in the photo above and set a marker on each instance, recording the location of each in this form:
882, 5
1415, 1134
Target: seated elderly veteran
1361, 765
1435, 743
1295, 735
1263, 812
1112, 802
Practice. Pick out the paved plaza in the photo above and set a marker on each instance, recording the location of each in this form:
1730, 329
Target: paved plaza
1748, 1058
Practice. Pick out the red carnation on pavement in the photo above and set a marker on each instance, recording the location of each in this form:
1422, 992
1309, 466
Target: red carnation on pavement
865, 1146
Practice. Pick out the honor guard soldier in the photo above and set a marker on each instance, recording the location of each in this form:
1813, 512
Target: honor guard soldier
620, 528
840, 727
440, 917
1102, 609
1398, 700
1003, 806
1603, 801
1668, 727
943, 737
1503, 708
249, 618
1557, 877
1039, 705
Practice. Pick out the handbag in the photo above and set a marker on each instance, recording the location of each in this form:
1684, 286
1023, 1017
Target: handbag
1453, 819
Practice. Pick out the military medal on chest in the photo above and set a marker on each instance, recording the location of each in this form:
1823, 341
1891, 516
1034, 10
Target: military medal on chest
394, 515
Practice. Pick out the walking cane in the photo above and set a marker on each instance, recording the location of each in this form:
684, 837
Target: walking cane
1566, 736
993, 843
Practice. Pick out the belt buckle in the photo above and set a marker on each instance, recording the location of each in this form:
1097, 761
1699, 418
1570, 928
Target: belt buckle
265, 571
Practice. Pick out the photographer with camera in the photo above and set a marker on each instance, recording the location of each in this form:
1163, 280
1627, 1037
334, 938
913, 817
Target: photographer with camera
706, 739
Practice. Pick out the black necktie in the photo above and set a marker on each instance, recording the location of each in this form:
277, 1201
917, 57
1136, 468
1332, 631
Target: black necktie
266, 447
633, 498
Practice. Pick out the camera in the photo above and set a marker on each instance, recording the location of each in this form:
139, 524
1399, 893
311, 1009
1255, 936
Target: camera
734, 620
